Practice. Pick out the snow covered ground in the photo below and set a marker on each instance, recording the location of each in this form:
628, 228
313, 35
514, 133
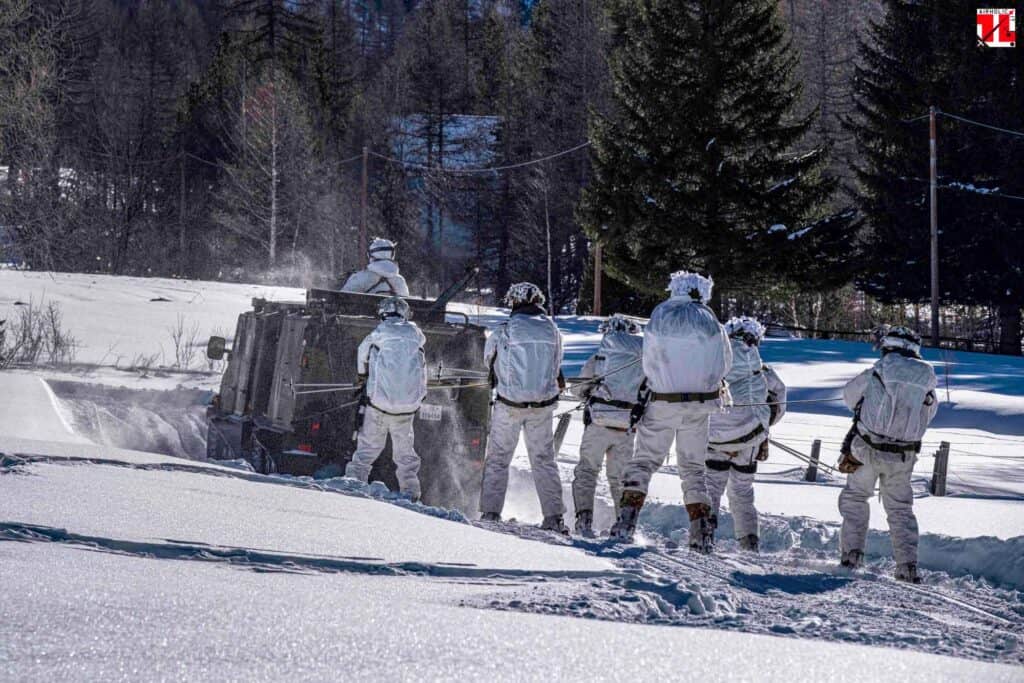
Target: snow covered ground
123, 564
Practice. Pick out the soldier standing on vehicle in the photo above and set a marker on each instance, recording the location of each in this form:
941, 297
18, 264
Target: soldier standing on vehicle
391, 365
686, 358
381, 274
893, 403
524, 355
610, 400
739, 435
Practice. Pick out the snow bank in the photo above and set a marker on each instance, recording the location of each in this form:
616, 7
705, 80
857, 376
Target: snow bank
130, 503
1000, 561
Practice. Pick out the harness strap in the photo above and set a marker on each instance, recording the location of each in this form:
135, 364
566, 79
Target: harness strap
624, 405
528, 404
758, 430
386, 412
624, 430
686, 397
383, 281
723, 465
897, 447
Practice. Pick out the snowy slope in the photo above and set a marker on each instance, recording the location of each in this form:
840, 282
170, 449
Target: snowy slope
223, 510
120, 572
185, 569
116, 319
142, 619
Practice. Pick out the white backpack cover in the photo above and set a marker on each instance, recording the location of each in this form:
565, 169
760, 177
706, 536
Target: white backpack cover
899, 402
397, 380
529, 358
748, 385
685, 348
617, 351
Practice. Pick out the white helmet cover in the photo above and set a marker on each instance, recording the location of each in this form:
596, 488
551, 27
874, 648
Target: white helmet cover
524, 293
879, 333
900, 337
394, 306
747, 328
618, 323
693, 285
381, 249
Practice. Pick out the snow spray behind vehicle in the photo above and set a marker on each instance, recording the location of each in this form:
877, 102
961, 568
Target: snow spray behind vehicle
289, 402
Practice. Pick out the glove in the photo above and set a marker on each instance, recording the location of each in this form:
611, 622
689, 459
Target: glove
849, 464
762, 451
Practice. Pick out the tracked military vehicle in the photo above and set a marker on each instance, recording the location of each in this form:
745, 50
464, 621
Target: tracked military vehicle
289, 400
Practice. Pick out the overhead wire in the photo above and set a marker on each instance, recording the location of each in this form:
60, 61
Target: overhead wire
489, 169
963, 119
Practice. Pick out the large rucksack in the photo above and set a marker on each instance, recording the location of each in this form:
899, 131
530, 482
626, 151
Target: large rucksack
397, 369
899, 401
618, 364
529, 359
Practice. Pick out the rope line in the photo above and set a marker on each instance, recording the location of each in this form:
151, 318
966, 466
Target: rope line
314, 416
786, 402
594, 380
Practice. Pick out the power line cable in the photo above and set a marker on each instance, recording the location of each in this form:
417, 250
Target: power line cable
966, 187
964, 119
983, 193
972, 122
915, 119
490, 169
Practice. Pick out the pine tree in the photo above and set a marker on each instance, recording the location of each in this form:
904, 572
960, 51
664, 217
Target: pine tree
981, 243
703, 155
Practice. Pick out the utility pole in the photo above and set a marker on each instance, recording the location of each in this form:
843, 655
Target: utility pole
362, 209
183, 262
935, 226
547, 230
597, 278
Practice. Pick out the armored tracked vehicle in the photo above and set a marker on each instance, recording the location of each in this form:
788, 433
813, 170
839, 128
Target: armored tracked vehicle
289, 400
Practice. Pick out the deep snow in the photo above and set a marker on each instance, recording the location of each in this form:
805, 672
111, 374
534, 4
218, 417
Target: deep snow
181, 569
106, 616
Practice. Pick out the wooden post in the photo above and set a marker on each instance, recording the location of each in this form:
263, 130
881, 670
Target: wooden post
932, 195
597, 278
938, 487
812, 469
363, 258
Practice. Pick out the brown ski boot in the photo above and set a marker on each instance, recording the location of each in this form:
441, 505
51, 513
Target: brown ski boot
702, 533
629, 512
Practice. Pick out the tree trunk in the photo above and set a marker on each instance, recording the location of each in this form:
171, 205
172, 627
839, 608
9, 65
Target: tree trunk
1009, 329
272, 251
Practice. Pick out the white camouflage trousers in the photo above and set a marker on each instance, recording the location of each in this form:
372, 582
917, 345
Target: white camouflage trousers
506, 424
598, 443
373, 437
740, 488
662, 422
893, 477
